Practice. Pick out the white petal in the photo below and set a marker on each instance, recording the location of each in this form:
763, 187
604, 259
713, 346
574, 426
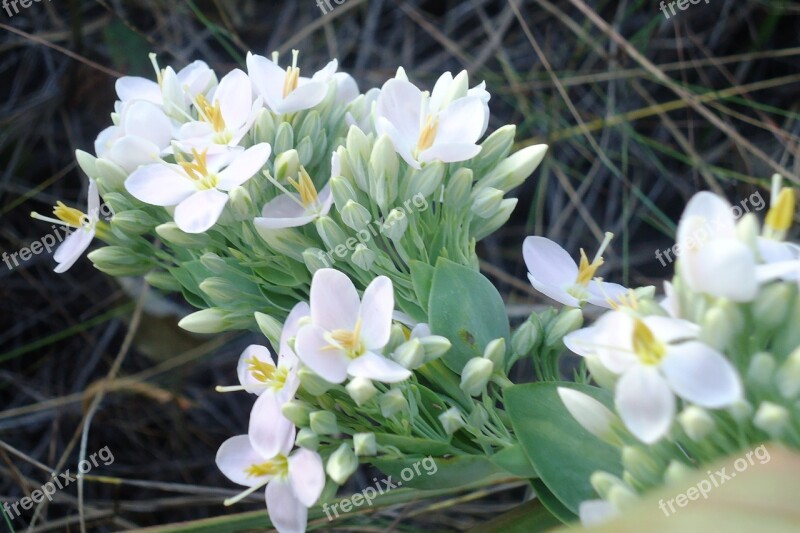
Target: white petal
334, 300
701, 375
235, 456
197, 76
160, 184
131, 152
291, 326
377, 368
244, 166
376, 313
772, 251
315, 352
645, 403
137, 88
582, 341
724, 268
304, 97
548, 262
403, 145
287, 513
555, 292
461, 122
614, 341
595, 512
69, 251
670, 330
283, 211
235, 97
200, 211
440, 91
147, 121
246, 378
267, 78
307, 476
449, 152
93, 200
592, 415
600, 292
400, 103
270, 432
709, 214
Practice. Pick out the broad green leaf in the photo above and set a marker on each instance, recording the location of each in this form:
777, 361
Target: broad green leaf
431, 473
552, 504
563, 453
422, 279
466, 308
514, 460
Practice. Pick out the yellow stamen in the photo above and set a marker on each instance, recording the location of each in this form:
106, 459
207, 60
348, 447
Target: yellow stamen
268, 468
586, 270
649, 349
349, 341
291, 80
211, 113
625, 300
69, 215
304, 185
198, 169
260, 370
781, 214
428, 133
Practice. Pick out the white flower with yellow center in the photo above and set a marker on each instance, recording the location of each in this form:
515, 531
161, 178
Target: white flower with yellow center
142, 132
656, 358
285, 91
85, 226
294, 481
291, 209
198, 188
441, 126
553, 272
346, 334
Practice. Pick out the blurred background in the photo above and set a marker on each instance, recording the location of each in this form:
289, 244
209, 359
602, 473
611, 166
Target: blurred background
641, 104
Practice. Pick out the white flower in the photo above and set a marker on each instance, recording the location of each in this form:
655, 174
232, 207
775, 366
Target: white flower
290, 210
346, 86
84, 225
554, 273
224, 120
596, 512
712, 258
346, 334
294, 480
285, 91
142, 132
657, 358
443, 126
197, 188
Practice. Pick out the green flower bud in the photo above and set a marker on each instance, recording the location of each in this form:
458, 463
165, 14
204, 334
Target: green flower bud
514, 170
312, 383
496, 353
772, 418
567, 321
210, 320
357, 144
451, 420
410, 354
478, 418
87, 162
120, 261
645, 467
475, 375
788, 376
343, 192
110, 177
392, 403
365, 444
396, 338
284, 138
592, 415
361, 390
772, 305
721, 323
423, 182
330, 232
311, 126
134, 222
676, 472
117, 202
435, 346
602, 375
241, 204
363, 257
396, 224
696, 422
458, 189
286, 241
480, 227
341, 464
496, 147
214, 263
305, 149
323, 423
221, 291
163, 280
355, 215
270, 327
486, 202
622, 497
171, 234
761, 369
527, 336
297, 412
384, 167
741, 411
307, 439
314, 259
604, 482
264, 127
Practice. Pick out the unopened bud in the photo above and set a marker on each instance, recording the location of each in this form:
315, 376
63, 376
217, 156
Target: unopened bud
363, 257
241, 204
171, 234
526, 338
395, 224
134, 222
567, 321
270, 327
287, 165
772, 418
696, 422
307, 439
772, 305
475, 375
761, 369
365, 444
487, 202
341, 464
452, 420
788, 376
458, 189
496, 353
644, 467
355, 215
361, 390
676, 472
323, 423
164, 281
297, 412
392, 403
592, 415
284, 138
435, 346
205, 321
120, 261
410, 354
312, 383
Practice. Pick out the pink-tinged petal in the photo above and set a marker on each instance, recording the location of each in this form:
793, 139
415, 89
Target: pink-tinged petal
137, 88
147, 121
289, 331
270, 432
235, 456
403, 145
304, 97
194, 134
316, 353
724, 268
400, 102
246, 378
334, 300
286, 511
600, 292
200, 211
93, 203
548, 262
645, 403
267, 78
557, 293
449, 152
377, 368
283, 211
461, 122
235, 97
131, 152
290, 386
69, 251
244, 167
160, 184
307, 476
669, 330
614, 341
376, 313
701, 375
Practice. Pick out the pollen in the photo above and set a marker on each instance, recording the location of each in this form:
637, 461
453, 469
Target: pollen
586, 270
197, 169
349, 341
260, 370
428, 133
69, 215
646, 346
304, 185
781, 214
211, 113
276, 466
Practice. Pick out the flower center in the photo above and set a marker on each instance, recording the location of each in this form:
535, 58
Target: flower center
197, 170
211, 113
279, 466
587, 270
291, 80
70, 216
266, 373
428, 133
304, 186
646, 346
781, 214
348, 341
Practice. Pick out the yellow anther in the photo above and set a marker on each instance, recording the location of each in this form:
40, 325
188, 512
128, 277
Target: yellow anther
291, 80
649, 349
586, 270
69, 215
349, 341
198, 169
274, 467
260, 370
211, 113
304, 185
428, 133
781, 215
625, 300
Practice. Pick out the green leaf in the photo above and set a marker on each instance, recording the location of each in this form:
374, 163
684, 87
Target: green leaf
529, 517
432, 473
467, 309
563, 453
514, 460
422, 279
552, 504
